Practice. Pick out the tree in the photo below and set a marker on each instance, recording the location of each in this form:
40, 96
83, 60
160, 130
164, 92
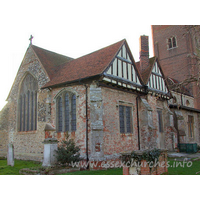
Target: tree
67, 152
193, 33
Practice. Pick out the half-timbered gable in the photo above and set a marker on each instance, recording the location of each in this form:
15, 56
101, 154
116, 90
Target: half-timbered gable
156, 80
103, 100
122, 71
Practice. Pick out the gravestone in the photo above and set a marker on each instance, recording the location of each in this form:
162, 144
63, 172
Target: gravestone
10, 155
50, 145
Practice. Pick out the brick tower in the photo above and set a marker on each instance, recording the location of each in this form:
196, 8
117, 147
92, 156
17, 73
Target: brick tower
173, 45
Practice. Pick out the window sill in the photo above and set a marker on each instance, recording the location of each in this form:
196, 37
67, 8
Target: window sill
172, 48
126, 134
65, 131
27, 132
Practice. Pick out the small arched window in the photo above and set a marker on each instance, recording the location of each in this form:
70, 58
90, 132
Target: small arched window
66, 112
172, 43
27, 104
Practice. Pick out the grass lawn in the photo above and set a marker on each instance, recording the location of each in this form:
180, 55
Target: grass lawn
185, 169
188, 169
117, 171
19, 164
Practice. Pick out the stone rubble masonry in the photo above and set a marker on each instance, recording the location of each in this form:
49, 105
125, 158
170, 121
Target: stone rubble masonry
183, 126
4, 131
149, 130
104, 138
28, 145
182, 118
79, 134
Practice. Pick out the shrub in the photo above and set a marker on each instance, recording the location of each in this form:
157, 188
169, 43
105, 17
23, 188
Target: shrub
67, 152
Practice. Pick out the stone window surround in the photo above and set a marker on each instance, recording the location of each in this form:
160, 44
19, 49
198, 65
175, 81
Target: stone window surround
126, 104
32, 94
171, 38
62, 93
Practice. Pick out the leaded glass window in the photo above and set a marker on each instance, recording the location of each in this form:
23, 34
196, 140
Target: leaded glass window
73, 113
67, 116
27, 104
160, 121
60, 114
125, 119
66, 112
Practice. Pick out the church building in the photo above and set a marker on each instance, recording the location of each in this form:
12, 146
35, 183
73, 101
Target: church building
105, 101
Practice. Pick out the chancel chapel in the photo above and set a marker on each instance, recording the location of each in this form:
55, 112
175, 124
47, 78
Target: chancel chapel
105, 101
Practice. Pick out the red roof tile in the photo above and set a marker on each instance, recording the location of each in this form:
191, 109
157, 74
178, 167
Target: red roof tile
86, 66
50, 60
147, 72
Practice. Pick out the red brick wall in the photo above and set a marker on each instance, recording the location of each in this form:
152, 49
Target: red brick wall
175, 62
114, 141
145, 170
79, 134
162, 168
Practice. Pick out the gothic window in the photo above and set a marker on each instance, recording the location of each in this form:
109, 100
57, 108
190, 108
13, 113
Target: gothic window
27, 104
73, 113
60, 128
172, 43
66, 112
125, 119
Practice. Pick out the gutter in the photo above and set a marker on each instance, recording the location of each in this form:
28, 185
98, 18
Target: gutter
184, 108
69, 82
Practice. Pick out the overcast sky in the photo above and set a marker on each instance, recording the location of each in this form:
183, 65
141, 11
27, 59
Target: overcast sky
74, 28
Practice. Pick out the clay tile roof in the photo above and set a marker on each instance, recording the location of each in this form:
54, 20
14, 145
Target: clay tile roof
86, 66
147, 72
50, 60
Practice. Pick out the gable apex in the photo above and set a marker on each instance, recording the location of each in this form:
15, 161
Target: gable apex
122, 70
156, 79
50, 60
90, 65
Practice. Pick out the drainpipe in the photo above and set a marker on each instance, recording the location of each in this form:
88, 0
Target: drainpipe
138, 123
86, 111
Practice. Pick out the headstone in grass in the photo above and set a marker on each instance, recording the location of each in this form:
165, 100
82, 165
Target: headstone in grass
10, 155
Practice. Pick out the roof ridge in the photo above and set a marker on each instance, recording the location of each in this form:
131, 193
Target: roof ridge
101, 48
91, 53
51, 51
88, 65
49, 59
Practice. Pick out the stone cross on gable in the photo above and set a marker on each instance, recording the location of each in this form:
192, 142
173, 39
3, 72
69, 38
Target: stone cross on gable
31, 38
